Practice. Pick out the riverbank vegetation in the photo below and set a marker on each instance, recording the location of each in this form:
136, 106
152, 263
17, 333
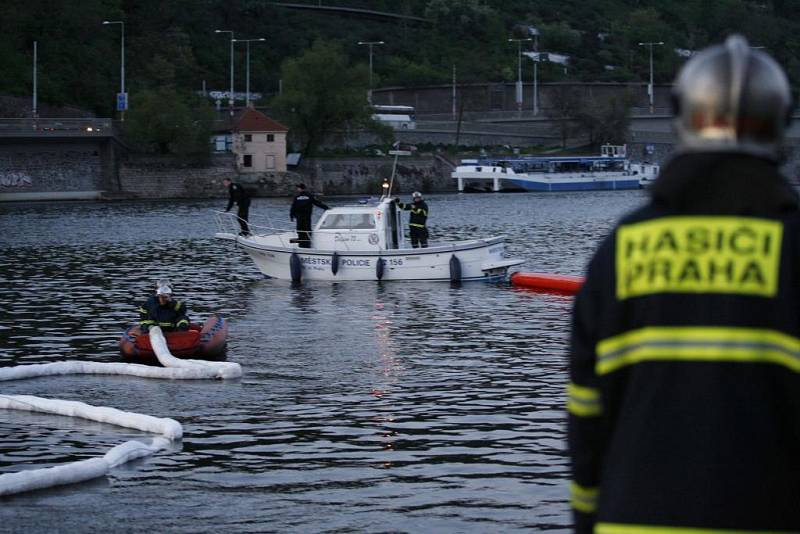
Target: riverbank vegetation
173, 53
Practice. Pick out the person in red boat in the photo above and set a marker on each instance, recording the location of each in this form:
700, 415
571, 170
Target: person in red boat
163, 311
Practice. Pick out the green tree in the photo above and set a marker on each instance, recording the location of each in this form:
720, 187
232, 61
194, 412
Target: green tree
322, 93
161, 121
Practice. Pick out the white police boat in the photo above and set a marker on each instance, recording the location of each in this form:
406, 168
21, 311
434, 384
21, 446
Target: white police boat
366, 242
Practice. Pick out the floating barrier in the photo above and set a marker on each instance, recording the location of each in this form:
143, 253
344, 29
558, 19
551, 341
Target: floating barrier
74, 472
169, 429
559, 283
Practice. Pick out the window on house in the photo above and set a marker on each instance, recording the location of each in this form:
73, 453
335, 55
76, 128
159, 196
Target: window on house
270, 162
270, 138
248, 138
248, 160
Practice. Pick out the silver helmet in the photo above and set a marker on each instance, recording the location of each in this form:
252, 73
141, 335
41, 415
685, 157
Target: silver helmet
732, 98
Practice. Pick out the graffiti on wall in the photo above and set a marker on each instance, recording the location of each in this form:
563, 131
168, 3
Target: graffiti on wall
15, 179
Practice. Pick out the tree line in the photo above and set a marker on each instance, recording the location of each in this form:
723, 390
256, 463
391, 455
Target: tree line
172, 52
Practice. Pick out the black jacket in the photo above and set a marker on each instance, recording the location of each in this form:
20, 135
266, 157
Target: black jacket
302, 205
170, 317
238, 195
419, 213
684, 394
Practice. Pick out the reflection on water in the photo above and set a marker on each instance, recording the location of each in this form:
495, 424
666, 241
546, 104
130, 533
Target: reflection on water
401, 407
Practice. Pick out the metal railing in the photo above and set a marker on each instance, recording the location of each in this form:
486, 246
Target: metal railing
228, 223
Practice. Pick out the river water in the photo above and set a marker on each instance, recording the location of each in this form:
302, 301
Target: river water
366, 407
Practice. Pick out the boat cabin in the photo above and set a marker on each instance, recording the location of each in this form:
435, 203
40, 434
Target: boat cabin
362, 227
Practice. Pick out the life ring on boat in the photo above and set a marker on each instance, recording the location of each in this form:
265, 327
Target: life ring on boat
558, 283
206, 342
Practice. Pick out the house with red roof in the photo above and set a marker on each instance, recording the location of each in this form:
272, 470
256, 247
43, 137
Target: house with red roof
259, 142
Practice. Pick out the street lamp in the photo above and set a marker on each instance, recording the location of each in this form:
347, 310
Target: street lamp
519, 69
230, 99
34, 110
122, 97
371, 44
248, 41
650, 90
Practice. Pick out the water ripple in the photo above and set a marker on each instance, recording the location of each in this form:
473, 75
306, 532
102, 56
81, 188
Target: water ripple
364, 407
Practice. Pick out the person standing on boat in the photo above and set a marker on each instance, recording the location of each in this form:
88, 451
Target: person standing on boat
684, 384
162, 310
417, 224
238, 195
302, 207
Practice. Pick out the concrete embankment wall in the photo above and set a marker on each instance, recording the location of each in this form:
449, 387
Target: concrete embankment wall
155, 177
75, 170
67, 170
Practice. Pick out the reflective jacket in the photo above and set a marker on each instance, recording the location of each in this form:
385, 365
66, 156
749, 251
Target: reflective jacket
173, 316
419, 213
684, 393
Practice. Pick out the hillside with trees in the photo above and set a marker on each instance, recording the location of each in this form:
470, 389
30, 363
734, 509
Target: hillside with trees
172, 51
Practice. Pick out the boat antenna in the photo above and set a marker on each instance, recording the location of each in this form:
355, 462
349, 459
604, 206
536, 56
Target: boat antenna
396, 154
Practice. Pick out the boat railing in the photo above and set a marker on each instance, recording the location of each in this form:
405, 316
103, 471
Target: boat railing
228, 223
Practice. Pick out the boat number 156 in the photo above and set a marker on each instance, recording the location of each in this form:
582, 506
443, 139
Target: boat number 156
395, 261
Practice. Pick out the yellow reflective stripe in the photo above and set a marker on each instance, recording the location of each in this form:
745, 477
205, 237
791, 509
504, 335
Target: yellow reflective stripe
142, 310
619, 528
583, 499
165, 323
417, 225
182, 321
698, 343
583, 401
178, 306
734, 255
147, 322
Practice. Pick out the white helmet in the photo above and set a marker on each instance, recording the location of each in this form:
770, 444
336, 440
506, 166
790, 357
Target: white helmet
732, 98
416, 194
163, 287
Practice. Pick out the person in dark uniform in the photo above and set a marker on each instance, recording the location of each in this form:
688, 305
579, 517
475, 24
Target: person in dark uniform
418, 219
302, 206
162, 310
684, 393
238, 195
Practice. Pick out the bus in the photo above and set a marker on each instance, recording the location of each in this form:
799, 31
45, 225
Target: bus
398, 117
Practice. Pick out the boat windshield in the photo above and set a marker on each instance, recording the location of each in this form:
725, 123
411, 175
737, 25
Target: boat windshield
348, 221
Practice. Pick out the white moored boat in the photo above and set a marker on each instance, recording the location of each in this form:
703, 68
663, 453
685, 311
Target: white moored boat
366, 242
611, 170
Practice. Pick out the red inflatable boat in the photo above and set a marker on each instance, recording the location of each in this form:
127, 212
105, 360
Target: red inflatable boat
559, 283
204, 342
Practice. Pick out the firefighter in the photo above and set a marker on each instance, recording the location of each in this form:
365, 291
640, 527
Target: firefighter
418, 219
302, 207
162, 310
684, 393
241, 197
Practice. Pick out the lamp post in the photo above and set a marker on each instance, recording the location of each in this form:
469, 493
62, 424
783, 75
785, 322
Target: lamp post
247, 61
371, 44
122, 97
650, 90
519, 69
230, 99
34, 110
536, 58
